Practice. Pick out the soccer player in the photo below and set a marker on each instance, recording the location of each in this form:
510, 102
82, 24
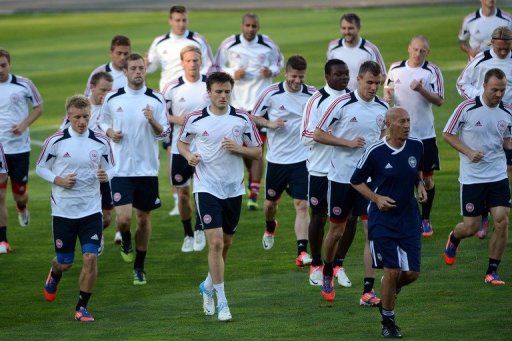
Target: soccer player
75, 160
478, 129
351, 123
252, 59
20, 105
477, 27
165, 49
415, 84
134, 117
319, 158
185, 95
120, 48
353, 49
283, 103
222, 136
470, 85
4, 245
394, 164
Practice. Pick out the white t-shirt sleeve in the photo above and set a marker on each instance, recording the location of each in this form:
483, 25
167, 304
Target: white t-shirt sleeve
160, 115
467, 80
277, 59
105, 120
153, 57
251, 137
261, 106
46, 160
331, 115
456, 120
464, 31
436, 81
221, 59
187, 134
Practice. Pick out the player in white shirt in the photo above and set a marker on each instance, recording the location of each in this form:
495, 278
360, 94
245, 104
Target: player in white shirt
470, 85
75, 161
415, 84
283, 104
20, 105
252, 59
165, 49
183, 96
477, 27
135, 119
351, 123
353, 49
222, 136
120, 48
4, 245
318, 162
478, 129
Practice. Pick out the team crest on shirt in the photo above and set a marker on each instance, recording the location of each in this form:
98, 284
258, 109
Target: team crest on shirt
336, 210
237, 131
59, 244
117, 196
271, 192
207, 218
470, 207
93, 155
261, 58
412, 161
380, 121
502, 125
15, 98
314, 201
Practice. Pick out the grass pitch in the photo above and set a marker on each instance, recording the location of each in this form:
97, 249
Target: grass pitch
269, 297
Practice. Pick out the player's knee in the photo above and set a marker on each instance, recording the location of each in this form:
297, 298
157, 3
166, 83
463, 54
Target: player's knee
216, 244
123, 222
19, 191
301, 206
336, 230
501, 223
64, 261
270, 205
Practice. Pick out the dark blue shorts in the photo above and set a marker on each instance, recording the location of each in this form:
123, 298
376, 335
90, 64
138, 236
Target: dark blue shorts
292, 178
393, 253
317, 193
140, 191
181, 171
215, 212
345, 201
477, 198
17, 165
508, 154
431, 161
65, 231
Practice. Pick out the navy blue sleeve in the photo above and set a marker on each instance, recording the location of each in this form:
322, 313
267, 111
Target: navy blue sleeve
363, 170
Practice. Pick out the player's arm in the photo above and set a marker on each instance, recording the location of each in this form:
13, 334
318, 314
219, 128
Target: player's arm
331, 117
251, 142
152, 59
420, 188
149, 113
464, 41
207, 56
45, 163
467, 79
430, 96
277, 60
106, 165
454, 141
34, 114
185, 137
222, 60
261, 108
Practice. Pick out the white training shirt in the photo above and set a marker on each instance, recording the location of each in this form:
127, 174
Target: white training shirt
3, 162
481, 128
319, 155
119, 77
236, 53
471, 80
93, 120
349, 117
184, 97
284, 146
478, 28
68, 152
220, 172
17, 95
165, 52
355, 56
399, 79
137, 152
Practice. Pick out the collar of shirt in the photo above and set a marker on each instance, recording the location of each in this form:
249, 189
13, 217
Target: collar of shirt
176, 36
356, 93
494, 55
218, 115
333, 92
76, 134
135, 92
355, 46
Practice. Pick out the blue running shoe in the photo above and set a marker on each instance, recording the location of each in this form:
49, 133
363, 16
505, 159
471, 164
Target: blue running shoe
426, 228
50, 287
450, 251
328, 292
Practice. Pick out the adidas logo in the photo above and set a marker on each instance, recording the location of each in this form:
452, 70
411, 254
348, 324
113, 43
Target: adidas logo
67, 155
354, 119
282, 107
388, 166
119, 109
95, 237
478, 124
182, 99
205, 133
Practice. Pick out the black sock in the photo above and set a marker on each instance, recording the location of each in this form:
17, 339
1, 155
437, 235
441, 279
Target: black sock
387, 315
187, 227
3, 234
127, 240
493, 266
21, 207
338, 261
83, 299
316, 261
302, 246
140, 256
328, 270
454, 240
427, 207
368, 284
55, 276
271, 225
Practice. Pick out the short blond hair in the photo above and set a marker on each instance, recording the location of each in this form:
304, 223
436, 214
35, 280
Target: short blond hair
77, 101
502, 33
190, 48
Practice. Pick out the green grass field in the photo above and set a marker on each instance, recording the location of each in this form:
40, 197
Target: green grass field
269, 297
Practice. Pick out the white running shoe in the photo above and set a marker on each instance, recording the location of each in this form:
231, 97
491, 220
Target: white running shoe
175, 211
102, 245
24, 217
188, 244
199, 240
208, 302
118, 238
343, 280
268, 240
224, 313
315, 275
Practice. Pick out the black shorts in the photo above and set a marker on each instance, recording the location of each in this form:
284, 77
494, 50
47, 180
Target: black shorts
65, 231
317, 193
140, 191
477, 198
290, 177
106, 196
344, 200
392, 253
181, 171
215, 212
430, 156
17, 165
508, 154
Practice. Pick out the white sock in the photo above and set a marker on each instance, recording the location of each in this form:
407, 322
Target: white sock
208, 283
221, 296
175, 198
